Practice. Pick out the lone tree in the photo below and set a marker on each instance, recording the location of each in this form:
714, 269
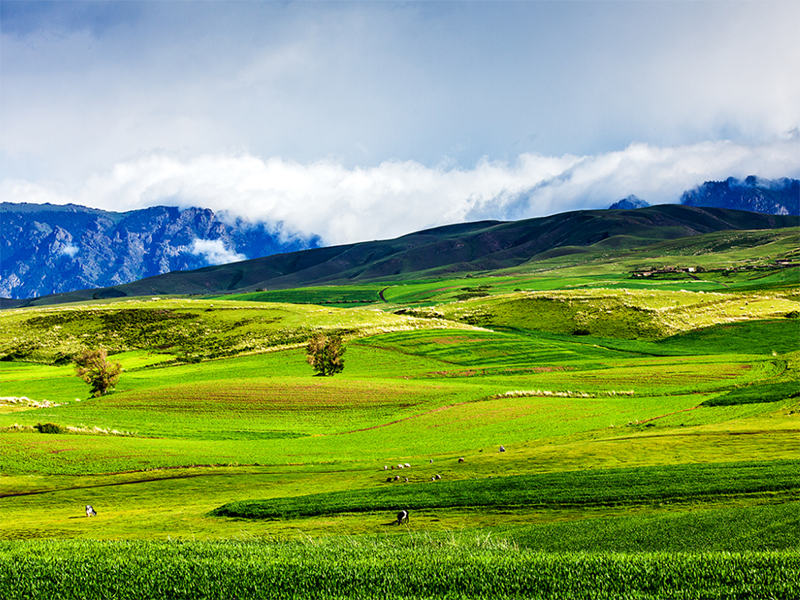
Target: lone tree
324, 353
93, 367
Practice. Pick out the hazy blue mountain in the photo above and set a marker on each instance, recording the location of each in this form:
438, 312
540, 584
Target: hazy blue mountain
630, 203
47, 249
769, 196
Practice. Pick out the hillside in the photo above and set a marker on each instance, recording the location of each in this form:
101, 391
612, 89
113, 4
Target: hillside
463, 248
50, 249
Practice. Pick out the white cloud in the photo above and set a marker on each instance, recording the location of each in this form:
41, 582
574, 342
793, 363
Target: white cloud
344, 205
70, 250
215, 253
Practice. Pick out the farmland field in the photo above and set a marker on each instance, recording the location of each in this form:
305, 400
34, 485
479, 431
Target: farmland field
649, 437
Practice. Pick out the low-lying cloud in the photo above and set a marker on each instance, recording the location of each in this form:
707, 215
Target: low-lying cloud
344, 205
215, 253
70, 250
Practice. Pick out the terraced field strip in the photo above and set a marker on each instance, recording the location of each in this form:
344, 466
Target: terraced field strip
674, 483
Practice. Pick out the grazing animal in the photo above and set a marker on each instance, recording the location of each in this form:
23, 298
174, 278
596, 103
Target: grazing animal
431, 461
388, 480
408, 466
399, 466
406, 479
397, 477
461, 460
90, 512
385, 468
438, 476
502, 448
402, 517
433, 478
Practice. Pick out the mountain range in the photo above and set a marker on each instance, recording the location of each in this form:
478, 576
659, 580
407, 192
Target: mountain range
771, 196
49, 249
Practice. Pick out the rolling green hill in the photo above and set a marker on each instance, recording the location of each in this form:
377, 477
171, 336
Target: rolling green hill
444, 251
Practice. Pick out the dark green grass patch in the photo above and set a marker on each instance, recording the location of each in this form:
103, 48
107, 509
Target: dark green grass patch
379, 568
757, 393
729, 529
582, 488
750, 337
314, 295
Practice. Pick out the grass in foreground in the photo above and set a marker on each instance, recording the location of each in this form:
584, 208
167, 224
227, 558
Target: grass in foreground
378, 567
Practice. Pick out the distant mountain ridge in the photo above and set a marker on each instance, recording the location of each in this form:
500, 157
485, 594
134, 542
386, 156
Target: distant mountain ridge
443, 251
769, 196
49, 249
630, 203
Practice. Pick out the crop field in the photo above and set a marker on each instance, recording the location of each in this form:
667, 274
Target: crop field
553, 434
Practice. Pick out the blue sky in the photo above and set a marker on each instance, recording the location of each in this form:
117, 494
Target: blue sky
357, 120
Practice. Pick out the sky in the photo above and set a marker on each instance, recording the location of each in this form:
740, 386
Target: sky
357, 121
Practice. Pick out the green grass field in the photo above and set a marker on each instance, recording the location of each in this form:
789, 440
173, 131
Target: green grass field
650, 436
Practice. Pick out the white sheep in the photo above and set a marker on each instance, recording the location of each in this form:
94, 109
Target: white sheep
90, 512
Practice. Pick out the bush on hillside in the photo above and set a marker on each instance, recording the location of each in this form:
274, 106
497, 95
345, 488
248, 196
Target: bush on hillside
49, 428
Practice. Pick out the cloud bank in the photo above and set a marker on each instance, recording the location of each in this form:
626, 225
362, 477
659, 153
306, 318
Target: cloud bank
86, 85
350, 204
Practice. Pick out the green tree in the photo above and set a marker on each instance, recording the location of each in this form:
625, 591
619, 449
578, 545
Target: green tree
95, 369
324, 353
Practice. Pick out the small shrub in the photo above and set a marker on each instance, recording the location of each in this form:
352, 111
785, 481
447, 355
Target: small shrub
62, 358
49, 428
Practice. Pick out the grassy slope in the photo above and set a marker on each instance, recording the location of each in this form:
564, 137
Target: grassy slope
432, 394
611, 443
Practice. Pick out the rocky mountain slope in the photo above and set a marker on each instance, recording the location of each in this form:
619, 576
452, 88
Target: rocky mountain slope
48, 249
774, 197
